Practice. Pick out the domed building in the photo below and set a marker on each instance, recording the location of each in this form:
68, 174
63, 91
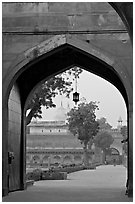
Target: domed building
61, 114
51, 143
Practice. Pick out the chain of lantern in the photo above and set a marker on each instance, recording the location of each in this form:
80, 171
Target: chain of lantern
75, 94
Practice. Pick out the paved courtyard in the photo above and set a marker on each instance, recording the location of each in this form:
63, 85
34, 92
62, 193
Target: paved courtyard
105, 184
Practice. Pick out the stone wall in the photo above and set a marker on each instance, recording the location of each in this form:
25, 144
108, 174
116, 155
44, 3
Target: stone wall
64, 16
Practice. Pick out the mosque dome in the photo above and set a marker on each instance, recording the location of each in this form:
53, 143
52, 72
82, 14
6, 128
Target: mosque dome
61, 114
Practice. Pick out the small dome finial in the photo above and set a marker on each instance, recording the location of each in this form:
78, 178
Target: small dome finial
120, 120
119, 123
61, 113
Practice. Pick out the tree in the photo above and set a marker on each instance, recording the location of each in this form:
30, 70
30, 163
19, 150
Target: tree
103, 140
103, 125
82, 122
125, 138
44, 94
124, 132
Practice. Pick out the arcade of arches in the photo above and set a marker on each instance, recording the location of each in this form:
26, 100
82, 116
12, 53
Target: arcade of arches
41, 40
51, 144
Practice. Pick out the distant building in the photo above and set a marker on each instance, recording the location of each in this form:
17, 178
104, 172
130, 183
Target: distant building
51, 143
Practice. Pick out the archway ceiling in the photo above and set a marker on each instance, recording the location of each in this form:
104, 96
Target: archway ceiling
60, 58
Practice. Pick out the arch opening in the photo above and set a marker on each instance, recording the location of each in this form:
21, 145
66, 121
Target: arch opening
23, 96
61, 59
71, 56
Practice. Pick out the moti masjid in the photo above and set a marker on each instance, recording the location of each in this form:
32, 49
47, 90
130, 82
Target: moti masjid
41, 40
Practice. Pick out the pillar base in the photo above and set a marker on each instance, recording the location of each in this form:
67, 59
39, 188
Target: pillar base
4, 192
130, 193
23, 186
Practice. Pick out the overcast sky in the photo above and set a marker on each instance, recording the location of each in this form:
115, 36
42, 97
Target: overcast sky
94, 88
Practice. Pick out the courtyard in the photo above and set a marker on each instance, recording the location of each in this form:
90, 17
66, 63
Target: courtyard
105, 184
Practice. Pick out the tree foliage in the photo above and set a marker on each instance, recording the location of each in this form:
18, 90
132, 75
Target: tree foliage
124, 131
125, 138
44, 94
82, 121
103, 124
103, 140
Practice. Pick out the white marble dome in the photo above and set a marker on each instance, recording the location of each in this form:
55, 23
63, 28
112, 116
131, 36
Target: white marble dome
61, 114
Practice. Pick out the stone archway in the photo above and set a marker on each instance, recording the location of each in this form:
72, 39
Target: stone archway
113, 156
67, 159
39, 53
36, 159
45, 161
54, 56
56, 159
78, 159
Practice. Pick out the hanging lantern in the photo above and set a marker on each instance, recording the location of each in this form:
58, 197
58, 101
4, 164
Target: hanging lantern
75, 97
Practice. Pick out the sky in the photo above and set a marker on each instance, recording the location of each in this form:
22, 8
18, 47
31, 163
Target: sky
94, 88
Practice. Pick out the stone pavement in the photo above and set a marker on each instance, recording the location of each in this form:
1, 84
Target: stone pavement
105, 184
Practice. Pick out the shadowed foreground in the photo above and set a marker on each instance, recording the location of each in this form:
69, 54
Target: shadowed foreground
105, 184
